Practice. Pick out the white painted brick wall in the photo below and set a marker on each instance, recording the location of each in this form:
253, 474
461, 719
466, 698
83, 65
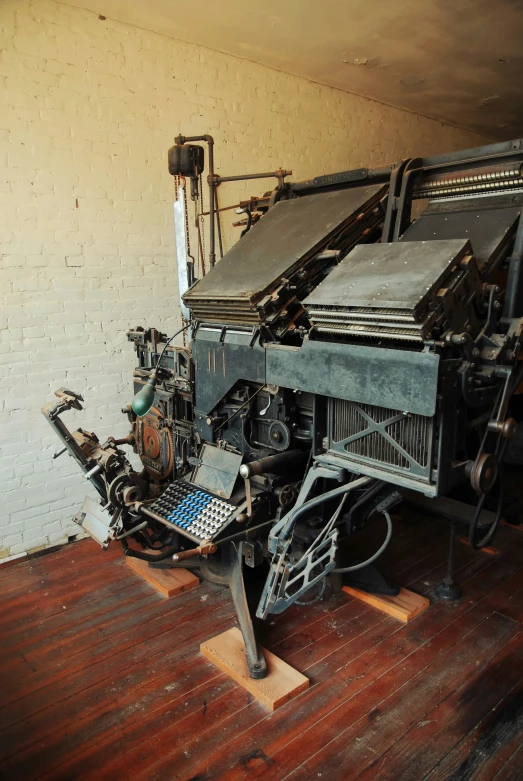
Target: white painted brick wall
88, 109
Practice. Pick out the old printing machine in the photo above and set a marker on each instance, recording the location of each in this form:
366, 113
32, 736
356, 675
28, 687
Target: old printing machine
342, 355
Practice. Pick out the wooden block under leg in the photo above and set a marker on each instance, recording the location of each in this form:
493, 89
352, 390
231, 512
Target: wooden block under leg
168, 582
404, 606
487, 549
283, 682
517, 526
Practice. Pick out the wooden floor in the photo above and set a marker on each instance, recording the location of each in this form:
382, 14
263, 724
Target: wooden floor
102, 678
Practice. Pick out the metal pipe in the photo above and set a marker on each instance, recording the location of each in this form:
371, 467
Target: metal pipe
273, 463
92, 472
371, 559
218, 223
266, 175
212, 203
132, 531
209, 140
328, 254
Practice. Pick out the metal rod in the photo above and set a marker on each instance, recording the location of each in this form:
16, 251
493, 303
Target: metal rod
212, 204
92, 472
241, 177
273, 463
218, 223
450, 557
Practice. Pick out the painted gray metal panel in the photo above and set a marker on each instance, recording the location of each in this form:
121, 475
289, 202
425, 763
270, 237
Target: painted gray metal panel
398, 275
400, 379
219, 366
290, 231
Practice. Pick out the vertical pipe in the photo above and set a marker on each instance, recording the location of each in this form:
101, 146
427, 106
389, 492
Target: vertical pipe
218, 223
212, 201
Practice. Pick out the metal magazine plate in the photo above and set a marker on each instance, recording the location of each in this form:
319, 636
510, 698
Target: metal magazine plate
289, 231
397, 275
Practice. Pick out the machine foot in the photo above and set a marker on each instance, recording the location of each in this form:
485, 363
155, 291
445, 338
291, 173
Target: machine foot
448, 590
370, 580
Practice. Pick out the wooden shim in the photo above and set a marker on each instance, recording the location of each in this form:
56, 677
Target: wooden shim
283, 682
404, 606
517, 526
487, 549
168, 582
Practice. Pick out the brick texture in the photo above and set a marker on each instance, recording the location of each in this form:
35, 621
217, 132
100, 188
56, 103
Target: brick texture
88, 108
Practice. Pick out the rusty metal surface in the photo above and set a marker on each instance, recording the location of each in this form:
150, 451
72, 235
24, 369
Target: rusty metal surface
488, 228
398, 275
276, 246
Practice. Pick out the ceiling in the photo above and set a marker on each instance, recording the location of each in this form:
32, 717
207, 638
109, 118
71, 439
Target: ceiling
460, 61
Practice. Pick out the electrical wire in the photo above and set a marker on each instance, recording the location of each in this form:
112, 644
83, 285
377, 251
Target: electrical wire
168, 342
378, 553
315, 599
240, 408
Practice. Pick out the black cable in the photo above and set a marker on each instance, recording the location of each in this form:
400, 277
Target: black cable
315, 599
368, 494
239, 408
168, 342
378, 553
249, 223
494, 525
135, 554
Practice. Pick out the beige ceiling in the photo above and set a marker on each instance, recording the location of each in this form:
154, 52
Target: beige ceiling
460, 61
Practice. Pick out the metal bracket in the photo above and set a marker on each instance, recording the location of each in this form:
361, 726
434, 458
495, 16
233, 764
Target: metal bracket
289, 582
282, 530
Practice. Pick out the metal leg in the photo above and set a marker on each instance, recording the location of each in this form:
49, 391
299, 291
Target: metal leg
447, 589
229, 572
255, 660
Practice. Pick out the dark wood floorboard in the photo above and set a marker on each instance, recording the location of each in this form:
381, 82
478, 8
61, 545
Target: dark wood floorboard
102, 677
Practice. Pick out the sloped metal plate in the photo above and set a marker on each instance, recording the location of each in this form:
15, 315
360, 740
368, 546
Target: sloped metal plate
290, 231
487, 226
398, 276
